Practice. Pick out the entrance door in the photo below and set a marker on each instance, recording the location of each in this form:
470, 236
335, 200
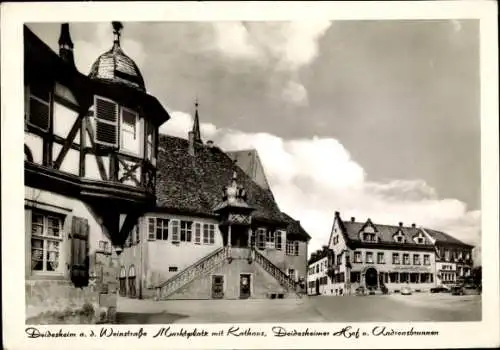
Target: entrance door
244, 286
317, 286
217, 287
371, 278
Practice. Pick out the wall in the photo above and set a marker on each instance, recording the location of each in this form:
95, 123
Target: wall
54, 291
159, 255
262, 283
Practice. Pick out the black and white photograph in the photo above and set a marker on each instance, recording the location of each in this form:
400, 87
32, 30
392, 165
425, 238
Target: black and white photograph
300, 171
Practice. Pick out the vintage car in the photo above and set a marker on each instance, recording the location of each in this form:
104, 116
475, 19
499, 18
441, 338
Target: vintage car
406, 291
440, 289
457, 290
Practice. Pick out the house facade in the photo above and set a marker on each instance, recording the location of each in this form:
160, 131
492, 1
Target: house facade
214, 233
382, 258
90, 172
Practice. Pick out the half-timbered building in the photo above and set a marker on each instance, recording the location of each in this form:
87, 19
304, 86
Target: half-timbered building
90, 149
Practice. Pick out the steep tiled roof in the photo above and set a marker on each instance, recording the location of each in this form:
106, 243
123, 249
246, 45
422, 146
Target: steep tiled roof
385, 232
295, 229
442, 237
195, 184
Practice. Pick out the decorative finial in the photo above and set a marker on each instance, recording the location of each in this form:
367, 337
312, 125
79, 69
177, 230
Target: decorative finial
117, 28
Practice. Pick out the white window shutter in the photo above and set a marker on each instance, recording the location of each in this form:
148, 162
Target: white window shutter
106, 121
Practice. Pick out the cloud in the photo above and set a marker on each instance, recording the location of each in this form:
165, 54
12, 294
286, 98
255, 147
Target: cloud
295, 93
312, 178
284, 47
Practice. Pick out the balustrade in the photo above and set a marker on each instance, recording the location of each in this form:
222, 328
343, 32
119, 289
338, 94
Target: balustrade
191, 273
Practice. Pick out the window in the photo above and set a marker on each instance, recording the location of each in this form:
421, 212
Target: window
150, 132
357, 257
292, 248
208, 234
403, 277
369, 237
137, 238
395, 258
447, 255
172, 269
416, 259
197, 233
157, 229
39, 107
427, 259
186, 231
380, 258
129, 133
278, 240
414, 277
355, 277
406, 259
175, 231
46, 241
339, 259
420, 240
335, 240
369, 257
104, 247
393, 277
270, 239
261, 237
291, 274
317, 268
106, 121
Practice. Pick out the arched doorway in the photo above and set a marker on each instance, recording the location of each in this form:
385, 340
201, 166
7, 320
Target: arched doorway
371, 278
123, 281
132, 291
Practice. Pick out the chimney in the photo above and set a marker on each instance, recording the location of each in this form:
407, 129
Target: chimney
413, 225
66, 45
400, 224
191, 143
353, 219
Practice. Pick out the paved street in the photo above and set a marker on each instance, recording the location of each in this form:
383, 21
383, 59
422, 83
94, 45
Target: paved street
390, 308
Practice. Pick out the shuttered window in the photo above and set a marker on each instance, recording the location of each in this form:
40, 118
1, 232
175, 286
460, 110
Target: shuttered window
80, 251
46, 241
106, 117
197, 233
39, 107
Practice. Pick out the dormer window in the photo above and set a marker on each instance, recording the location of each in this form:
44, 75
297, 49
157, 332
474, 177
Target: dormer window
38, 108
399, 237
369, 237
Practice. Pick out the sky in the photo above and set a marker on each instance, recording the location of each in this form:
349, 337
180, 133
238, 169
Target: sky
374, 119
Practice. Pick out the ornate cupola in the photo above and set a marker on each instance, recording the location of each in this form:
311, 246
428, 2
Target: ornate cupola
234, 207
115, 67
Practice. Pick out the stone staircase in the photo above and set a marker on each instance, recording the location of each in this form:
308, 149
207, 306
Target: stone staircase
215, 260
283, 279
189, 274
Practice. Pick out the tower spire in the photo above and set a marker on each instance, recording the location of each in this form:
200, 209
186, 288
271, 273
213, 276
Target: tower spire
66, 45
196, 123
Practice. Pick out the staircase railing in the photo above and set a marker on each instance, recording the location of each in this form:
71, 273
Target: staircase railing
283, 279
199, 268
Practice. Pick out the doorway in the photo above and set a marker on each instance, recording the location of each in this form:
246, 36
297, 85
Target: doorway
317, 286
245, 284
371, 278
217, 286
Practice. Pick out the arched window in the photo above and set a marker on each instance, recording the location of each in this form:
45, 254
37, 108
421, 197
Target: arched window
132, 292
123, 281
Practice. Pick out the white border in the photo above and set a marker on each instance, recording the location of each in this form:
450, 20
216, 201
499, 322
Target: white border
13, 15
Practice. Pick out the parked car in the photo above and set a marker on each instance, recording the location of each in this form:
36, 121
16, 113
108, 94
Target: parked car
457, 290
406, 291
440, 289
